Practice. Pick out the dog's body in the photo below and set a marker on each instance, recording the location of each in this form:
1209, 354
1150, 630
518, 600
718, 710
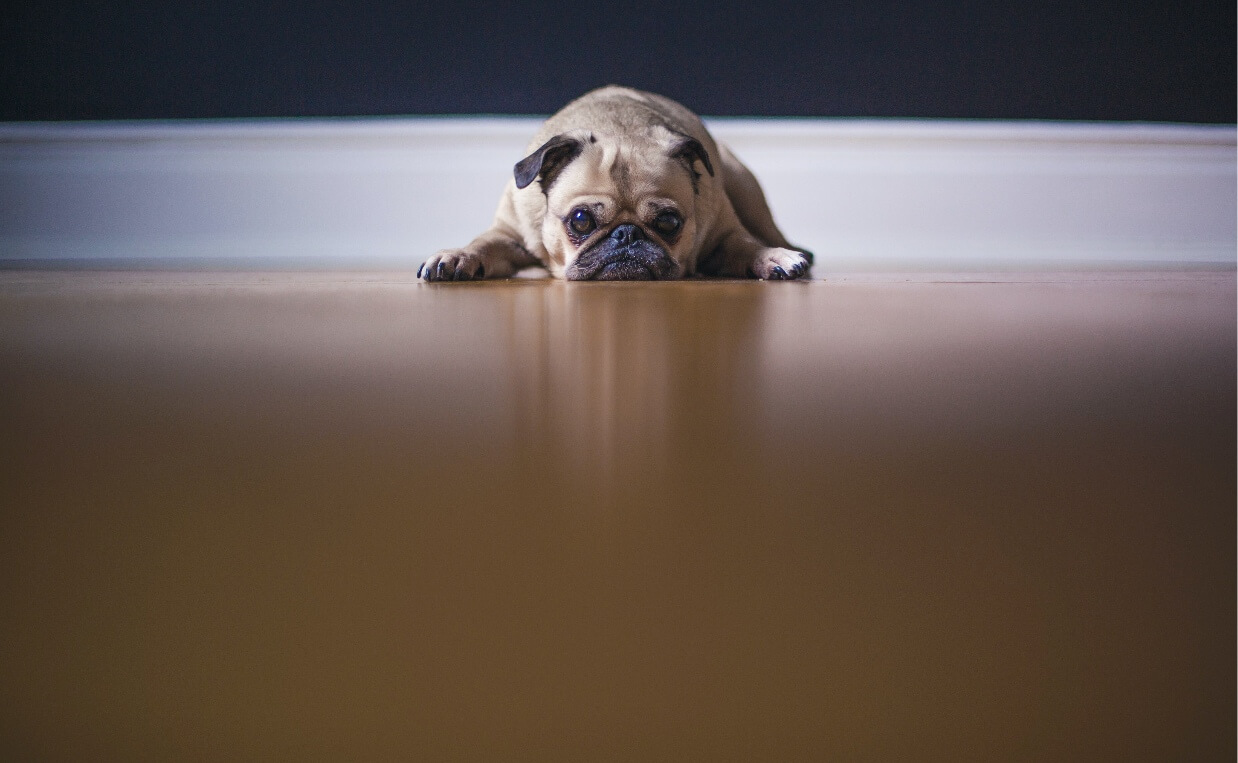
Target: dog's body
625, 185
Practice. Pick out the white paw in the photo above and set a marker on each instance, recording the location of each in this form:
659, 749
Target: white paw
453, 265
780, 265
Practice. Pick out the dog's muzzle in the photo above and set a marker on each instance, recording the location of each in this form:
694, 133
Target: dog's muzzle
626, 254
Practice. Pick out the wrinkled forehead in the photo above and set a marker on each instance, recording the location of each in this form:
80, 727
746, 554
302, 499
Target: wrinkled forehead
627, 172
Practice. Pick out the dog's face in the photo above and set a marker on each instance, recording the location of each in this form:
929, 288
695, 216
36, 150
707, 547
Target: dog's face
618, 210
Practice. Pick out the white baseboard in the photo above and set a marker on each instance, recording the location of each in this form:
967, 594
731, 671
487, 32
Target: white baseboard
395, 190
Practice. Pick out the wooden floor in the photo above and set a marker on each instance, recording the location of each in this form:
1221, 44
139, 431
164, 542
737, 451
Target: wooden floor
880, 516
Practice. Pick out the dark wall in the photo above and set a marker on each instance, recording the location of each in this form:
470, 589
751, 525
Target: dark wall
1010, 60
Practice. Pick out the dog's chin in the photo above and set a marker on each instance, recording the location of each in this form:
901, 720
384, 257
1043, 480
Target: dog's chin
624, 270
645, 262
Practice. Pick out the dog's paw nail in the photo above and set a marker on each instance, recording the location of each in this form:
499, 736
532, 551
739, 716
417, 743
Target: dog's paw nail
777, 274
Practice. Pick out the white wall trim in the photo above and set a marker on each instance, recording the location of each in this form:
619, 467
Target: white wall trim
396, 189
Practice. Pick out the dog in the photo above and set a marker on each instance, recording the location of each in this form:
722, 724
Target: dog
626, 185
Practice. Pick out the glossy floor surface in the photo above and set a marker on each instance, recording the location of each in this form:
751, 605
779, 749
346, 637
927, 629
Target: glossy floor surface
349, 516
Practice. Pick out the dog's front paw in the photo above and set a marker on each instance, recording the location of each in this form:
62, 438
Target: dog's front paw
453, 265
780, 265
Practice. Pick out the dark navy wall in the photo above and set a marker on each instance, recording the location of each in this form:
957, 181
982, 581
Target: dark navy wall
1011, 59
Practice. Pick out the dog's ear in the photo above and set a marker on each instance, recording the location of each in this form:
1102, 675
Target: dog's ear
689, 150
547, 161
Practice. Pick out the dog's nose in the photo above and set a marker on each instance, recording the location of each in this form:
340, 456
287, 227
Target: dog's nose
626, 234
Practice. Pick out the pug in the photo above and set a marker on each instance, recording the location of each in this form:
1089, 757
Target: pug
624, 185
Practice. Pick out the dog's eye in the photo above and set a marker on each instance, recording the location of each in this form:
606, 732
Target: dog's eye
581, 221
667, 223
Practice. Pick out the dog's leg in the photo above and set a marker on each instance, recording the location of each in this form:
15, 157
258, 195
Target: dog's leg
740, 255
497, 253
750, 205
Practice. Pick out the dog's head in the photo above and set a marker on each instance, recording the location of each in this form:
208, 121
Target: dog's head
618, 209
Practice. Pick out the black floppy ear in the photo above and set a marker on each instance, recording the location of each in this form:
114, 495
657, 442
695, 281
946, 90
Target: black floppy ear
690, 150
547, 161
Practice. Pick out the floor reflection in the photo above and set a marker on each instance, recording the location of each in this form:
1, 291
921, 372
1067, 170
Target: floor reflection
323, 515
625, 384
